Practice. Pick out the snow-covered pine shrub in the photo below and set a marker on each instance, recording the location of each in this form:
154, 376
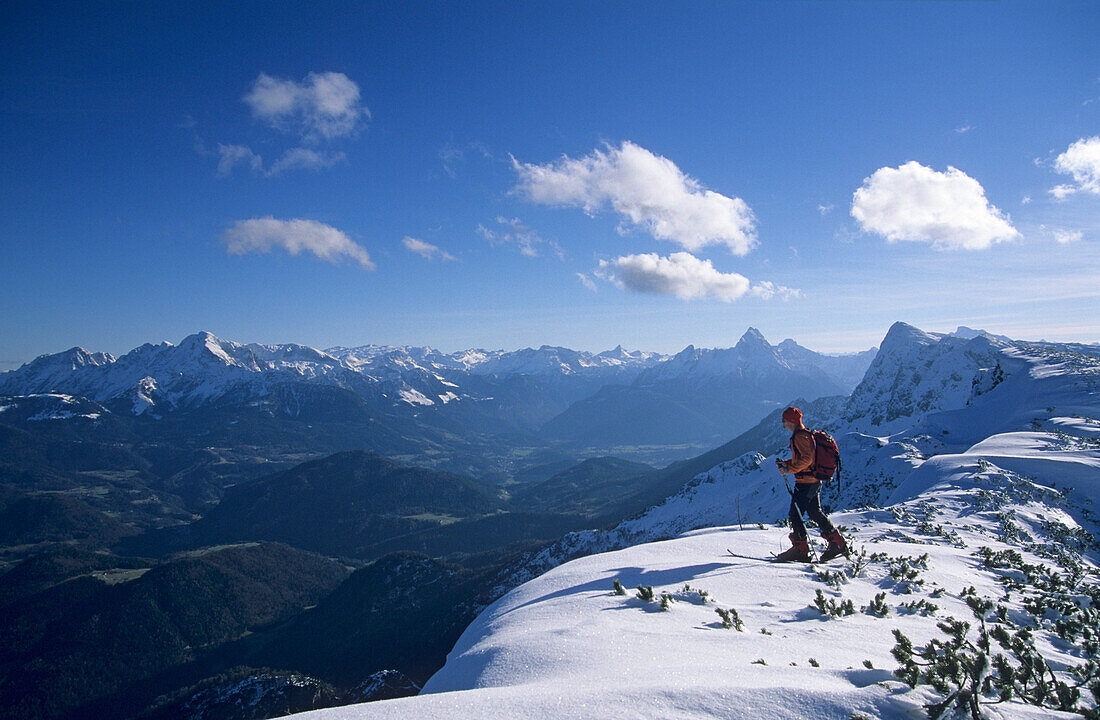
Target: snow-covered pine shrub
618, 586
730, 619
645, 593
833, 578
878, 606
831, 608
666, 601
921, 606
688, 591
906, 571
814, 663
857, 562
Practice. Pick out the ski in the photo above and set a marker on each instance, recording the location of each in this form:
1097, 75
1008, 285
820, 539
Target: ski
771, 559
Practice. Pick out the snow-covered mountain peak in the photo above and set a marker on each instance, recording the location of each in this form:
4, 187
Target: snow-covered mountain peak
203, 345
902, 335
753, 336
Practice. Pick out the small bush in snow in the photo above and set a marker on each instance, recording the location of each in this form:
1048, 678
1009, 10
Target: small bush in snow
878, 606
666, 601
921, 606
645, 593
833, 578
857, 562
814, 663
730, 619
906, 571
619, 589
831, 608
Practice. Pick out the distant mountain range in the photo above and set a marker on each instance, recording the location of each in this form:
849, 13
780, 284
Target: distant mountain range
421, 405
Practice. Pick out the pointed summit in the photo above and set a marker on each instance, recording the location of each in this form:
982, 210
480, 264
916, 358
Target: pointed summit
901, 335
753, 336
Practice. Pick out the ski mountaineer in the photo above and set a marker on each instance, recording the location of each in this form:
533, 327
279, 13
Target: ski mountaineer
805, 497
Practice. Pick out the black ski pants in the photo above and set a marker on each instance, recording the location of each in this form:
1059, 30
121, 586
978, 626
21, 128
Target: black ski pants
806, 499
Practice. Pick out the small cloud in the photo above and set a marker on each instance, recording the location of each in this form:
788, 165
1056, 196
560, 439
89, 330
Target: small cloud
229, 156
680, 274
964, 129
425, 249
766, 289
1062, 236
1026, 200
451, 155
825, 209
300, 158
263, 234
917, 204
1082, 161
513, 232
587, 282
648, 191
321, 106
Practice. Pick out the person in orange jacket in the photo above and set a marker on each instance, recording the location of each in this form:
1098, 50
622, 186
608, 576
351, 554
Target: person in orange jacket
806, 496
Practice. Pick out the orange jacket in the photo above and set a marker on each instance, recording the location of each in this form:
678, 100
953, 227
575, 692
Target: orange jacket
802, 456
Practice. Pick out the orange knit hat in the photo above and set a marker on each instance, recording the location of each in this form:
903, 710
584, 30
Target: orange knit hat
792, 415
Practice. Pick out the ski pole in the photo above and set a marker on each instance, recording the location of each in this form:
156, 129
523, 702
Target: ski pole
789, 491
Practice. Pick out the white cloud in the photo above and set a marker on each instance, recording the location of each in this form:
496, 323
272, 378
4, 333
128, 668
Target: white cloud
587, 281
1082, 161
322, 106
229, 156
648, 191
1026, 200
1062, 236
766, 289
425, 249
964, 129
294, 236
825, 208
915, 203
300, 158
512, 231
680, 274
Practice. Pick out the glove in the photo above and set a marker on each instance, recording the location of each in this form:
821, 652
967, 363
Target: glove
781, 464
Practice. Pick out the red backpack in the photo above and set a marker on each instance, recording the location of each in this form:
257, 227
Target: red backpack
826, 455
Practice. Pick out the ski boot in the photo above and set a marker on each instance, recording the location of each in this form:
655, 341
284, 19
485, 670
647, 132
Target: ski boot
837, 546
799, 551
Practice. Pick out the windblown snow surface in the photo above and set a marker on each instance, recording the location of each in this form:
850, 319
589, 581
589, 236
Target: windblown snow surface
1000, 449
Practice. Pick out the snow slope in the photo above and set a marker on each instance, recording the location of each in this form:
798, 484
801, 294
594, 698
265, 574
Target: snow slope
999, 449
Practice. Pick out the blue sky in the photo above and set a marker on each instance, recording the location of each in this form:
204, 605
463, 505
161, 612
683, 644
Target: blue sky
503, 175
